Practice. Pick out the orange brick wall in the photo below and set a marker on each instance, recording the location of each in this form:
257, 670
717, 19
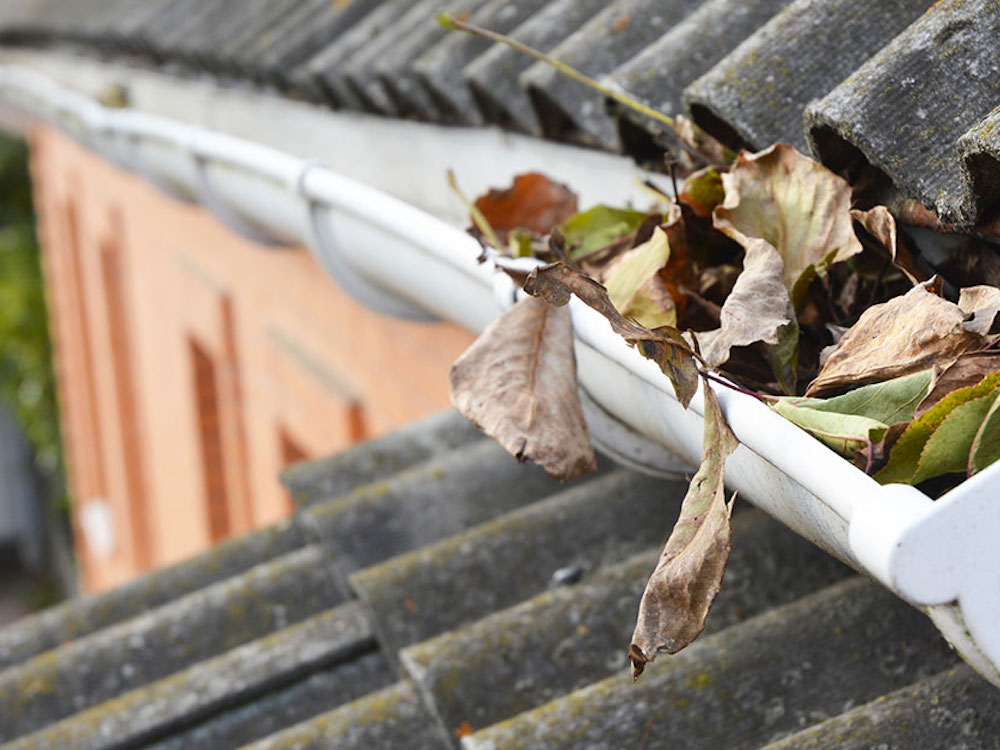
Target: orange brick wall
193, 364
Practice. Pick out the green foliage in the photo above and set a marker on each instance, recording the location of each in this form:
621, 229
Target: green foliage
26, 379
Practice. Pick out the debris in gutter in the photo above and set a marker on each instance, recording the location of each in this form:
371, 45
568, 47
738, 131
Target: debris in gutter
767, 273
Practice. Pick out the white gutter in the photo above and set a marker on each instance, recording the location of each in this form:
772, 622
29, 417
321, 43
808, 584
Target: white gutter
941, 556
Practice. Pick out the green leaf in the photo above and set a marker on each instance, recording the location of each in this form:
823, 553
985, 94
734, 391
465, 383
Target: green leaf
845, 433
910, 460
703, 191
635, 288
599, 227
890, 402
860, 418
986, 445
948, 450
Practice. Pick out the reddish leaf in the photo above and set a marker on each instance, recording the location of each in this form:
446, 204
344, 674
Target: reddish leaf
533, 203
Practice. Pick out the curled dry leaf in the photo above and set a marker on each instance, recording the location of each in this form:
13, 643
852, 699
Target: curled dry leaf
517, 383
534, 204
689, 573
913, 332
665, 345
881, 225
758, 309
797, 205
983, 304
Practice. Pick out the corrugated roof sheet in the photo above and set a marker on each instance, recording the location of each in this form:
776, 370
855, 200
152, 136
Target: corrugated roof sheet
496, 616
906, 86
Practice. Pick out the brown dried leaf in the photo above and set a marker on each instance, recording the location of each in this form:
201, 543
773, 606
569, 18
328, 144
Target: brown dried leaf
689, 573
913, 332
796, 204
517, 383
557, 282
757, 309
881, 225
966, 371
534, 203
983, 304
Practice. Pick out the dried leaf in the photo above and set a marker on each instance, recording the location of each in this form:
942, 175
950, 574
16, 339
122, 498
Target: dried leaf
907, 334
687, 577
860, 419
983, 304
517, 383
967, 370
941, 441
881, 225
758, 309
534, 203
797, 205
665, 345
592, 230
635, 286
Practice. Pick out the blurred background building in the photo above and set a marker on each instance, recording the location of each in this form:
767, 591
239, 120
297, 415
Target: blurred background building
192, 365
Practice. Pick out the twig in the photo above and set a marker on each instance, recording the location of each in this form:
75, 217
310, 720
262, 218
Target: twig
456, 23
481, 222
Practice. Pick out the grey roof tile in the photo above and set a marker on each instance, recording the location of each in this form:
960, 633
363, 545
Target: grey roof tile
142, 714
79, 617
980, 152
391, 718
326, 66
394, 68
101, 665
424, 504
926, 716
260, 656
907, 107
302, 699
502, 562
758, 93
371, 461
568, 109
658, 75
441, 67
774, 674
569, 637
493, 77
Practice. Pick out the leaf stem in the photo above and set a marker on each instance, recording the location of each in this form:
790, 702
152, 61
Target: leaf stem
477, 216
456, 23
736, 387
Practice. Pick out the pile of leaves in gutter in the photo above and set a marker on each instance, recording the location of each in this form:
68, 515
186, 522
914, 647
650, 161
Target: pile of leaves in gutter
768, 275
